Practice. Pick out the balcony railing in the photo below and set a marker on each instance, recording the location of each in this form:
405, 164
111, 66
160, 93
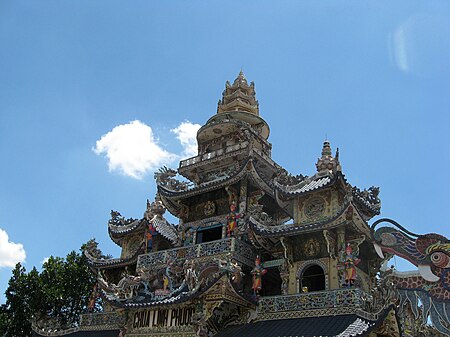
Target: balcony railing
213, 154
339, 301
239, 250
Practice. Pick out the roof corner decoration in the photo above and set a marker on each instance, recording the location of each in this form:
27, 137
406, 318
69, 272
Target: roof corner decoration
368, 200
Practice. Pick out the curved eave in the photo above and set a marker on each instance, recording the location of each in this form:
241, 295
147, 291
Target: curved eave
246, 169
238, 93
295, 229
202, 188
258, 180
113, 263
240, 104
182, 297
116, 233
305, 187
174, 208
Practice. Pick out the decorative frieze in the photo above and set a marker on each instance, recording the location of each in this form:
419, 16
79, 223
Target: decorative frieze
102, 320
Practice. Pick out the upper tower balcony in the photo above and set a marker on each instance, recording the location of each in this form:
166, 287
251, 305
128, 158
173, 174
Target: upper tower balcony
231, 134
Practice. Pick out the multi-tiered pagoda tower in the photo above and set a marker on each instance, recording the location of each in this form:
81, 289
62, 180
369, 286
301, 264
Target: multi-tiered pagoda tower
258, 251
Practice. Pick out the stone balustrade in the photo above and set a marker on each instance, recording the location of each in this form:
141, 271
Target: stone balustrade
213, 154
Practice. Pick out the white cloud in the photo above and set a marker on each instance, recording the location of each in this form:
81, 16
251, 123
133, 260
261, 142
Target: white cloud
132, 150
401, 49
45, 260
10, 252
187, 135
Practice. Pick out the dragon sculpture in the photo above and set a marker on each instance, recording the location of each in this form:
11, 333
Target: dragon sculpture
430, 285
165, 178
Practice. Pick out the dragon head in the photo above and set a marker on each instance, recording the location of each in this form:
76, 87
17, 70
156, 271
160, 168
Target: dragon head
429, 252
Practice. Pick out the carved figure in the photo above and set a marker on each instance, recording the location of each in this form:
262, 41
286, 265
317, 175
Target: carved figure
257, 273
151, 231
255, 197
92, 249
232, 194
118, 220
370, 195
187, 236
348, 261
190, 275
209, 208
232, 219
166, 283
93, 298
124, 290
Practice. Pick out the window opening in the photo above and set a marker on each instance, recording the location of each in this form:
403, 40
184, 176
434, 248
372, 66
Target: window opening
209, 234
313, 279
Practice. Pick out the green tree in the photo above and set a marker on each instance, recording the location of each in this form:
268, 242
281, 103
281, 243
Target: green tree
19, 296
61, 292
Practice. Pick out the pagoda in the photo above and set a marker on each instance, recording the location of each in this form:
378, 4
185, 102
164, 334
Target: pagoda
258, 251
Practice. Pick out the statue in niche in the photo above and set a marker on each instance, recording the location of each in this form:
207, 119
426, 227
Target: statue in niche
232, 219
257, 272
150, 232
347, 263
188, 236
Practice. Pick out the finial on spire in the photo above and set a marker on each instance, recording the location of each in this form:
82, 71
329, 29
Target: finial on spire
241, 77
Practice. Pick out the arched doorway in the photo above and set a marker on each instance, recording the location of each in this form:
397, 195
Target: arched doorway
312, 279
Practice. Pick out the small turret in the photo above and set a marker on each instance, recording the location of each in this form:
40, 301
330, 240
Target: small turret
327, 162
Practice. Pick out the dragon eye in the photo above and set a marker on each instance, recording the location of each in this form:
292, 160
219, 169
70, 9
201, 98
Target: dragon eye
440, 260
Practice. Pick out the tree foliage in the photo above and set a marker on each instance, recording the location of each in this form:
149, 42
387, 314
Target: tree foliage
61, 291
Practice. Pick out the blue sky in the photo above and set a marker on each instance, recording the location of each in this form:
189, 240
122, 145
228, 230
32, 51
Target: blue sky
374, 76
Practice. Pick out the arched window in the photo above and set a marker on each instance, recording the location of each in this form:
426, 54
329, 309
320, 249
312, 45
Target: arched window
312, 279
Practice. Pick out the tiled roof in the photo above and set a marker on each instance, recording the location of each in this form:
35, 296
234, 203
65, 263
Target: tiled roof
164, 228
339, 326
356, 328
292, 229
305, 185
